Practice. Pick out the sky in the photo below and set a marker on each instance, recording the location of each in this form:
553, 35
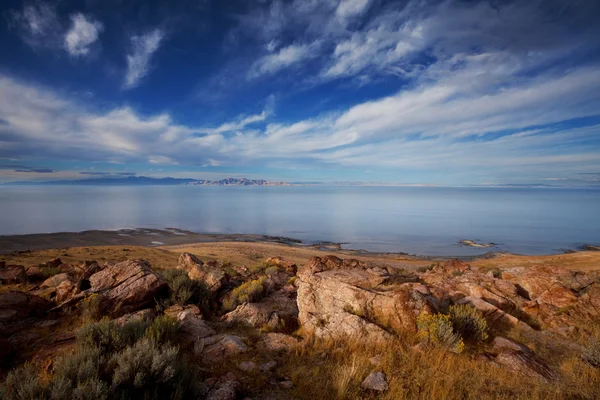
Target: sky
450, 93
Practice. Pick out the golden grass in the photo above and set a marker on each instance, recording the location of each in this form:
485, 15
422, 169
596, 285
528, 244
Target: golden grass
158, 258
335, 370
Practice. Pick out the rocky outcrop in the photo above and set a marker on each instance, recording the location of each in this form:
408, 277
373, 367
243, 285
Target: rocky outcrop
213, 276
35, 274
13, 274
16, 307
558, 298
338, 298
56, 280
127, 286
525, 363
277, 312
255, 315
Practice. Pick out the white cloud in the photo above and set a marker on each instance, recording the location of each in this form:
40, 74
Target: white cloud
285, 57
138, 61
83, 33
38, 25
351, 8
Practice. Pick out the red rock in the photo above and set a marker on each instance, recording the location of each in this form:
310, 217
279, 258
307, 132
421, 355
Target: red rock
127, 286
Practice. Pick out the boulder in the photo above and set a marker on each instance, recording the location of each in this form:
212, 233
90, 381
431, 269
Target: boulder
375, 381
219, 346
256, 315
279, 342
35, 274
212, 275
335, 301
127, 286
188, 261
64, 291
56, 280
277, 312
191, 323
17, 306
13, 274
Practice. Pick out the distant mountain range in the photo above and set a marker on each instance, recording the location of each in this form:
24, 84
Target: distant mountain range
236, 182
146, 180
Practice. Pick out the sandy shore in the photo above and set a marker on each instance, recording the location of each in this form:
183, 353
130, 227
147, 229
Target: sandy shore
162, 248
125, 237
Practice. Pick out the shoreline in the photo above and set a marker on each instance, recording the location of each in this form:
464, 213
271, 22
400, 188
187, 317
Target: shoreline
168, 237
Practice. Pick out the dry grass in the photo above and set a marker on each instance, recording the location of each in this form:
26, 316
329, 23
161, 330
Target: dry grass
158, 258
335, 370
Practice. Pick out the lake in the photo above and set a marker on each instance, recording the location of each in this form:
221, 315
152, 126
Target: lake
417, 220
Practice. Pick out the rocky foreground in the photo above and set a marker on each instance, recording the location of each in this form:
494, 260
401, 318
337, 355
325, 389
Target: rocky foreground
331, 327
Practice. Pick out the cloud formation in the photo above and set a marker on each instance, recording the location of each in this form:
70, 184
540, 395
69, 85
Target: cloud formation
138, 60
38, 25
477, 92
83, 33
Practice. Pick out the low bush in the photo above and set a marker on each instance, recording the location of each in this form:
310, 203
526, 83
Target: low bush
23, 383
230, 269
108, 336
91, 307
248, 292
437, 330
133, 361
162, 330
183, 290
468, 322
271, 270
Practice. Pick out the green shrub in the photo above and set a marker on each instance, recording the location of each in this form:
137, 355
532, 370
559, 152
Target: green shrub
91, 307
145, 365
133, 361
259, 268
23, 383
229, 269
468, 322
183, 290
78, 376
591, 354
108, 336
436, 329
49, 272
248, 292
162, 330
271, 270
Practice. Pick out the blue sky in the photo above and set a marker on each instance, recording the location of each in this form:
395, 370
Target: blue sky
407, 92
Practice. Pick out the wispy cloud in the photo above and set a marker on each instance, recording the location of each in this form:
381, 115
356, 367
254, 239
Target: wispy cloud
138, 61
284, 58
38, 25
83, 33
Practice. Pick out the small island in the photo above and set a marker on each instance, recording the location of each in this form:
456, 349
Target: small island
472, 243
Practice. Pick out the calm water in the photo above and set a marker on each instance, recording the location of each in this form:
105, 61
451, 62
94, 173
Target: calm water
416, 220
